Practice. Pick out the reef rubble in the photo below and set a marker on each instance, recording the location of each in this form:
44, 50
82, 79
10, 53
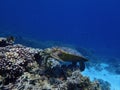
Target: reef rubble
21, 68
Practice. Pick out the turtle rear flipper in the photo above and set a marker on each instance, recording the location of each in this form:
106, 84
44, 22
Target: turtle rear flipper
82, 65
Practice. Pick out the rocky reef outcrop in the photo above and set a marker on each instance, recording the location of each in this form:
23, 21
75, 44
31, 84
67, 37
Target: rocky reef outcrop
22, 68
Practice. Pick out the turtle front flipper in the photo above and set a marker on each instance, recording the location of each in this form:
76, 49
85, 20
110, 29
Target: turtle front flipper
82, 65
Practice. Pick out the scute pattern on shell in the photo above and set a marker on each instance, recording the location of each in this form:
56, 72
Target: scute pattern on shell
65, 53
70, 51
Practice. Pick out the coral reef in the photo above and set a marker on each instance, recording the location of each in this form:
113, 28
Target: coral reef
14, 60
23, 68
30, 81
6, 41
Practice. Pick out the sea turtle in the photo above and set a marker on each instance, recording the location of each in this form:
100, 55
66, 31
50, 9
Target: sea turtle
65, 54
6, 41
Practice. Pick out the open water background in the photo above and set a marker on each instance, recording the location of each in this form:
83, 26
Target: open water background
86, 23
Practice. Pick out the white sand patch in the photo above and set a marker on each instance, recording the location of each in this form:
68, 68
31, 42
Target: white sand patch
113, 79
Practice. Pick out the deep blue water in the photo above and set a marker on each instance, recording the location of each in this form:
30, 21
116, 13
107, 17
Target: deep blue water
87, 23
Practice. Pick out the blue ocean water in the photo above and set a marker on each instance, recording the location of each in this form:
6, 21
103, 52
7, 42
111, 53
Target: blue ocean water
93, 24
88, 23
